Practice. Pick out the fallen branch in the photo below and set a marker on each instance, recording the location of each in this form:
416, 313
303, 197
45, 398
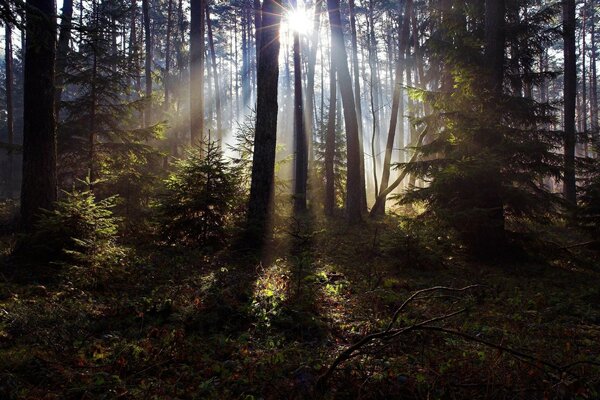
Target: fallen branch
390, 333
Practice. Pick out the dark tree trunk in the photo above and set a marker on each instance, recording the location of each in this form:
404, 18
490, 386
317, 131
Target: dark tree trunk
491, 236
385, 177
310, 82
148, 61
197, 71
10, 125
260, 206
301, 159
213, 55
354, 190
330, 144
62, 50
570, 93
39, 132
358, 101
593, 80
167, 82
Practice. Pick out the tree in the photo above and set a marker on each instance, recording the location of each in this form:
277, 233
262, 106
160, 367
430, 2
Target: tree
353, 184
38, 189
147, 61
197, 49
570, 94
301, 144
62, 50
260, 205
379, 207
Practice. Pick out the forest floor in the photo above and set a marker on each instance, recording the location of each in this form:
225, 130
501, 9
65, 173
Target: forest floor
178, 324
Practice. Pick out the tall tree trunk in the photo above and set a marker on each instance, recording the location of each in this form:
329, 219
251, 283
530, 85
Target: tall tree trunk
357, 98
197, 71
570, 93
385, 177
310, 81
301, 159
330, 144
148, 62
167, 79
246, 89
10, 125
62, 50
213, 55
354, 188
260, 206
257, 25
584, 77
593, 80
38, 189
9, 75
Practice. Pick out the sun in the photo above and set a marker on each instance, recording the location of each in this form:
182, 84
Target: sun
299, 20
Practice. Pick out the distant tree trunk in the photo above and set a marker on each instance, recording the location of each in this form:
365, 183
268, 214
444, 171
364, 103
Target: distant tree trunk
213, 55
593, 80
584, 77
301, 159
9, 75
133, 45
330, 144
38, 189
10, 125
246, 89
197, 71
357, 98
570, 93
94, 97
353, 183
385, 177
148, 62
167, 82
260, 206
257, 25
62, 50
310, 81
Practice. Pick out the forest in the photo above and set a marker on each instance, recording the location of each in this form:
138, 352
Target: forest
299, 199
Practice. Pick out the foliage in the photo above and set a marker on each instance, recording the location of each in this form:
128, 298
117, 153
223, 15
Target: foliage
202, 198
81, 230
102, 129
483, 146
588, 213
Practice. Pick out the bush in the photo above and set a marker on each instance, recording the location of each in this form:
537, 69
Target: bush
79, 229
201, 199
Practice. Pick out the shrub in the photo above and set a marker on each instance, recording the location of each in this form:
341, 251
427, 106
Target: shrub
201, 199
80, 229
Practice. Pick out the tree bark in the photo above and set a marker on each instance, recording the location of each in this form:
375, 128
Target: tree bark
357, 98
213, 55
330, 144
354, 188
570, 93
167, 79
147, 62
62, 50
301, 159
197, 71
385, 177
9, 75
38, 189
593, 80
260, 206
